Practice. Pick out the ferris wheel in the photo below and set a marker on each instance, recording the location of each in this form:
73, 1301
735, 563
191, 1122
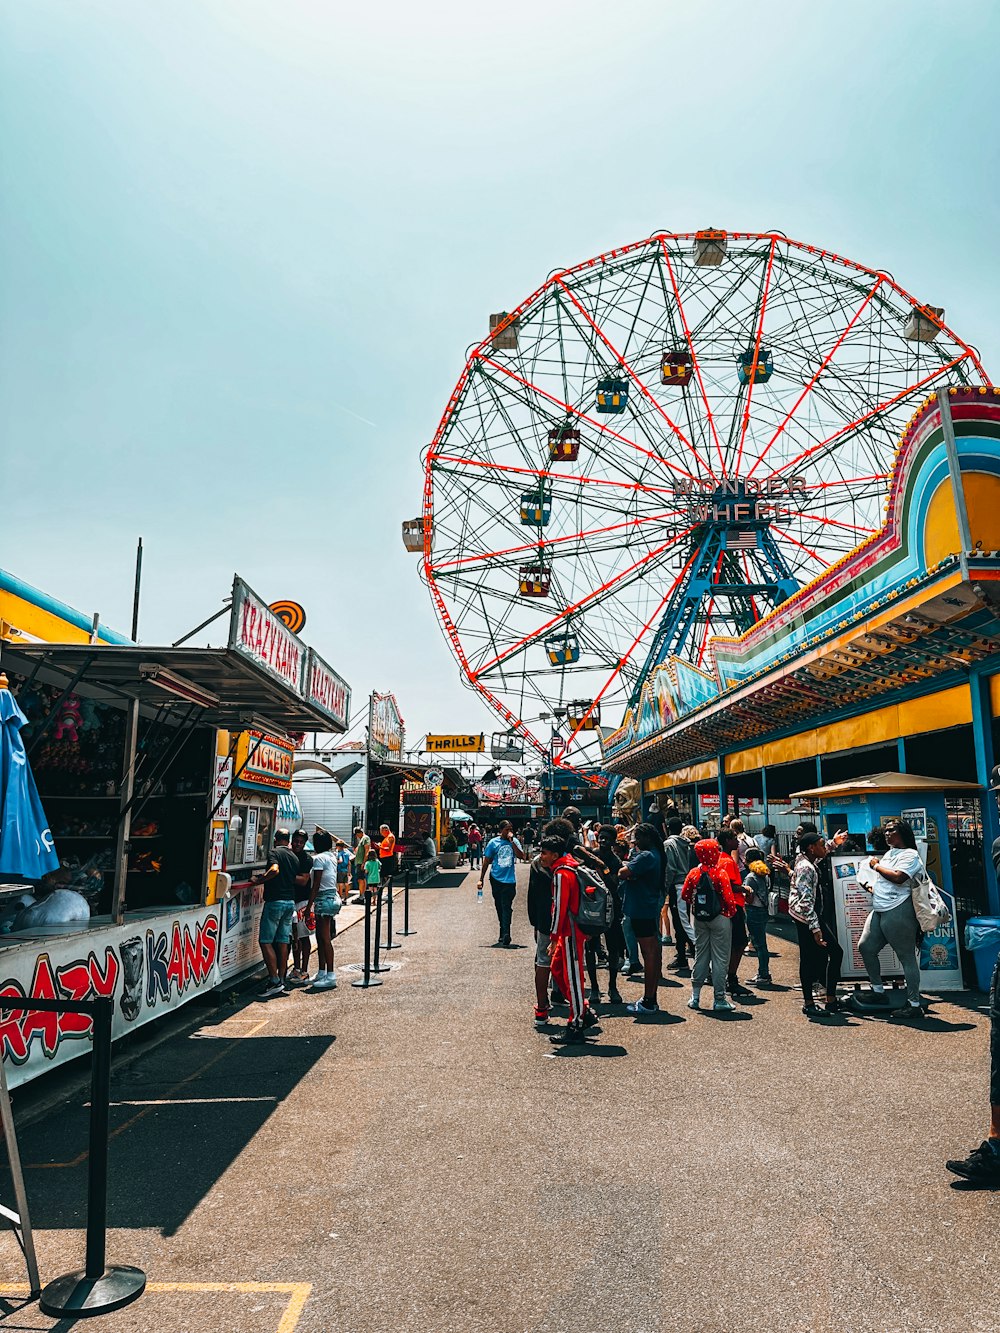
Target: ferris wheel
655, 449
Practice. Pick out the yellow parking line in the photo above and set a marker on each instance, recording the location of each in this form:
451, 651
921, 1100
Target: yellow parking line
297, 1292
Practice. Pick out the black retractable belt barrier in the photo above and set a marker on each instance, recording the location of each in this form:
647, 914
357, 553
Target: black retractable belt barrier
406, 908
368, 980
98, 1289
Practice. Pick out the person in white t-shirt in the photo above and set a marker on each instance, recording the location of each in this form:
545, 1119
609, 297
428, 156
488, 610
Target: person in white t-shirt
326, 902
892, 919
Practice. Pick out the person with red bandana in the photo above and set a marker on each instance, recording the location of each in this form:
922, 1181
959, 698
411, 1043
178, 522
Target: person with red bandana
709, 895
566, 941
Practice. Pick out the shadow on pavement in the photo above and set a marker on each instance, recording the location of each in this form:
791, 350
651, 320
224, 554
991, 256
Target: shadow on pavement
179, 1118
603, 1052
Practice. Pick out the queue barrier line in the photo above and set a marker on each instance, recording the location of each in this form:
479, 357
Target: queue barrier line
297, 1292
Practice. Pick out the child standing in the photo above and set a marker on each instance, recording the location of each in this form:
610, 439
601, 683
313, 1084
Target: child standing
343, 869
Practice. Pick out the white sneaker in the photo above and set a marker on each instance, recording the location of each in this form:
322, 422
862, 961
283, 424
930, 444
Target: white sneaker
723, 1007
325, 982
694, 1002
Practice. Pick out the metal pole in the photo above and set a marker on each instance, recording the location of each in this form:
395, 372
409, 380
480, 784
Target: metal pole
406, 906
97, 1162
367, 979
135, 598
126, 802
98, 1289
22, 1226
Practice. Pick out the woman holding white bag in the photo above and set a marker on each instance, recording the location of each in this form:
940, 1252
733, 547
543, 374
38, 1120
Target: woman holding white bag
893, 919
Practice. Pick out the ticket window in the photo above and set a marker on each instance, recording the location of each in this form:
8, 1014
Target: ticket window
251, 830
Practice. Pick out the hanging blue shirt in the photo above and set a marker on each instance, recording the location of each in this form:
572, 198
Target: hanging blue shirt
500, 854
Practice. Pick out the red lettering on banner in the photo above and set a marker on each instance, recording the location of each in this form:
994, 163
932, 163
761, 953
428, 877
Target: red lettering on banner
208, 936
175, 968
12, 1042
265, 636
35, 1022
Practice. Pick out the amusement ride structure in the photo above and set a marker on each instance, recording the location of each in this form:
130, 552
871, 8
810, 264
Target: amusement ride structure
653, 451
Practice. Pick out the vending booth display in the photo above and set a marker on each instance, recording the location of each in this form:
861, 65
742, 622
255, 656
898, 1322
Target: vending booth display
141, 756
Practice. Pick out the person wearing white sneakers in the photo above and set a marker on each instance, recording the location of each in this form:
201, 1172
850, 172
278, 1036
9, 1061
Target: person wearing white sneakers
326, 902
712, 904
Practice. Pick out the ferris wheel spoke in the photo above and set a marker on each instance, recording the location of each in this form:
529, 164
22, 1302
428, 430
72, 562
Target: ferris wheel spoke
545, 473
545, 542
756, 354
637, 568
856, 425
787, 536
694, 359
636, 380
627, 656
829, 522
569, 410
823, 365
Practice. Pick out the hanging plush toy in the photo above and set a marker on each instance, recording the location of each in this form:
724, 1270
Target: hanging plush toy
69, 720
88, 714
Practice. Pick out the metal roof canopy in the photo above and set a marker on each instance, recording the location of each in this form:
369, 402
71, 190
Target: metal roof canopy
887, 783
232, 691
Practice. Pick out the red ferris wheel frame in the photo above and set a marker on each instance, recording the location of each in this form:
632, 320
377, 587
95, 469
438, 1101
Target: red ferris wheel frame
482, 352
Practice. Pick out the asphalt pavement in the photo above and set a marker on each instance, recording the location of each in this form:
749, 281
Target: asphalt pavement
417, 1157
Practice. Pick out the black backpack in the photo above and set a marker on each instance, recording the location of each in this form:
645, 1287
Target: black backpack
596, 913
707, 903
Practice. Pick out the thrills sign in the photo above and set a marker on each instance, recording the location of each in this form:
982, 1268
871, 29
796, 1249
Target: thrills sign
147, 970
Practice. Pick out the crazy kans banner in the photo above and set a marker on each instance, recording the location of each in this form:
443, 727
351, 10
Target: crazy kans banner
147, 967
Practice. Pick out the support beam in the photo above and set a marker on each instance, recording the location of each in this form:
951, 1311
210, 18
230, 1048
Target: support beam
982, 737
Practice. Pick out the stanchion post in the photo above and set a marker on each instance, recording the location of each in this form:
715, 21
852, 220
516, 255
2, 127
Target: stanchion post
406, 907
98, 1289
376, 965
368, 980
389, 942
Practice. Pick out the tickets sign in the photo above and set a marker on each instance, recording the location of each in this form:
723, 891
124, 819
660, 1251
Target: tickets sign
455, 744
263, 762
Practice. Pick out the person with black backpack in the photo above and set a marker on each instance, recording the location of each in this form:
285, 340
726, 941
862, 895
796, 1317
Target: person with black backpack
712, 904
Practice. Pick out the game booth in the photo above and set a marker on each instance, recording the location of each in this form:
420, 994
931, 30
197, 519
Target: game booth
159, 771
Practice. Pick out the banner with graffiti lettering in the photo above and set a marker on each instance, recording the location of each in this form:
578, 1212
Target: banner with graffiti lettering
148, 966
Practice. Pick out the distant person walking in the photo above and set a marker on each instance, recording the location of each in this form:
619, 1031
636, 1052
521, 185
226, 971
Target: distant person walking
475, 846
500, 857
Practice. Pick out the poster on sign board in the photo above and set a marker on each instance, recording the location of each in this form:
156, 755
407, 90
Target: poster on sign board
241, 915
222, 794
146, 966
385, 727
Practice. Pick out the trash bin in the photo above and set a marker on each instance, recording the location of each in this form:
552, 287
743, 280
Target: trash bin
982, 939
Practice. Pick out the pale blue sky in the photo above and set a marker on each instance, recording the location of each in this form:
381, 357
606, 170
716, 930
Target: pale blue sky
245, 244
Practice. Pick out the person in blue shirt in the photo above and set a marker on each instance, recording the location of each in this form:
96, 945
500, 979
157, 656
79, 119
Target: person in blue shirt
642, 899
500, 856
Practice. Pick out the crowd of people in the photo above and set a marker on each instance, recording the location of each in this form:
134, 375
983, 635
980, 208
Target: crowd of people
304, 891
709, 894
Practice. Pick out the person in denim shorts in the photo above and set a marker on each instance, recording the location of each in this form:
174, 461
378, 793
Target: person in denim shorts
282, 883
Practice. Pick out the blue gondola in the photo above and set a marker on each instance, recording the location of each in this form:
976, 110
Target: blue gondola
612, 395
563, 649
765, 366
536, 509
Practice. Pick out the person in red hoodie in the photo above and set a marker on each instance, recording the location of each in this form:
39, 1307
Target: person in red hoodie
729, 842
712, 904
566, 940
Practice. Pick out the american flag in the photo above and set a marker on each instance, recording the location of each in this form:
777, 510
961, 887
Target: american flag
741, 539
